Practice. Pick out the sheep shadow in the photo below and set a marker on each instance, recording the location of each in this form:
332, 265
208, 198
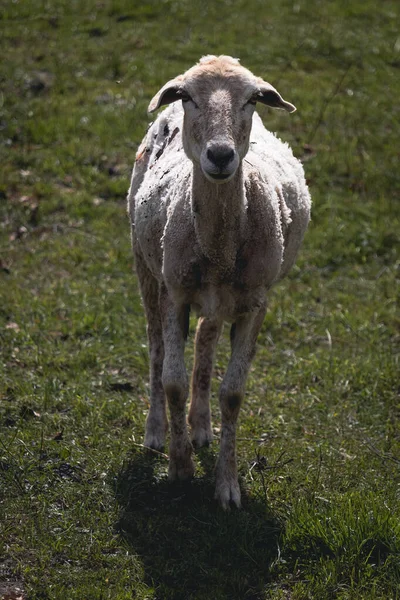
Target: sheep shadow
189, 548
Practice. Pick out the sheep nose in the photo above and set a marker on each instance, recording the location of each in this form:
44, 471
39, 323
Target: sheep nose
220, 156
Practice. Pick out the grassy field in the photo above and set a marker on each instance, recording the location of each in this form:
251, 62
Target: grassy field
84, 512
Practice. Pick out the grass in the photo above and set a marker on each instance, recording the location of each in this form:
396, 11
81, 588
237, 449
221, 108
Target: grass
84, 513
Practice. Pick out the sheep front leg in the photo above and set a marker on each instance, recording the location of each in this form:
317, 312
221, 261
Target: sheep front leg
174, 378
207, 334
243, 337
156, 422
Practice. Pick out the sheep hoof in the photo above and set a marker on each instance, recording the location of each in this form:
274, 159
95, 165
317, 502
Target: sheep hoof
155, 433
201, 437
228, 492
155, 441
181, 466
154, 444
180, 469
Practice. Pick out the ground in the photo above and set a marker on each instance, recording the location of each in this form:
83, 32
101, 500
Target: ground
84, 511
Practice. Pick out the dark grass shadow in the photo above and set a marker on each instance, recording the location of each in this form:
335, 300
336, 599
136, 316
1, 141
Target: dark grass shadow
189, 547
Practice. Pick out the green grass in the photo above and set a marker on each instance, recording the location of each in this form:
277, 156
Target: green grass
84, 513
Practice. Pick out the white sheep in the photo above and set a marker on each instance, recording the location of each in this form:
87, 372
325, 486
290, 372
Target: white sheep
218, 208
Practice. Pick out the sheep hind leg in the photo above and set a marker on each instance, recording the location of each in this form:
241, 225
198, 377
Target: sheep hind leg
156, 422
207, 334
243, 336
175, 382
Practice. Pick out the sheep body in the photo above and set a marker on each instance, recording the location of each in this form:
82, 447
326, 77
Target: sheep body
276, 201
219, 207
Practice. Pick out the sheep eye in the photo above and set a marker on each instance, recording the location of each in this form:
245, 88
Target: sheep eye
251, 101
186, 98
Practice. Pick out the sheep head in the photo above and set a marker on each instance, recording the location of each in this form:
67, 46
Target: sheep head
219, 98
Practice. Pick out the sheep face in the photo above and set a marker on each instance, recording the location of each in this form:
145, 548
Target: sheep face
219, 98
217, 125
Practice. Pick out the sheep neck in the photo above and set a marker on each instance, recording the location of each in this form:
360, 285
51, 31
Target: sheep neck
219, 216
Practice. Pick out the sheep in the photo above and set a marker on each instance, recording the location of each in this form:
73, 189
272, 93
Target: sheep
218, 208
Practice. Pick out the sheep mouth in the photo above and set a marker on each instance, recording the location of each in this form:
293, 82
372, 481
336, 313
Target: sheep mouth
220, 176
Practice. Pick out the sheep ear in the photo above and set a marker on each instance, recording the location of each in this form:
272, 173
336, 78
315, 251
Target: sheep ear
168, 93
269, 96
